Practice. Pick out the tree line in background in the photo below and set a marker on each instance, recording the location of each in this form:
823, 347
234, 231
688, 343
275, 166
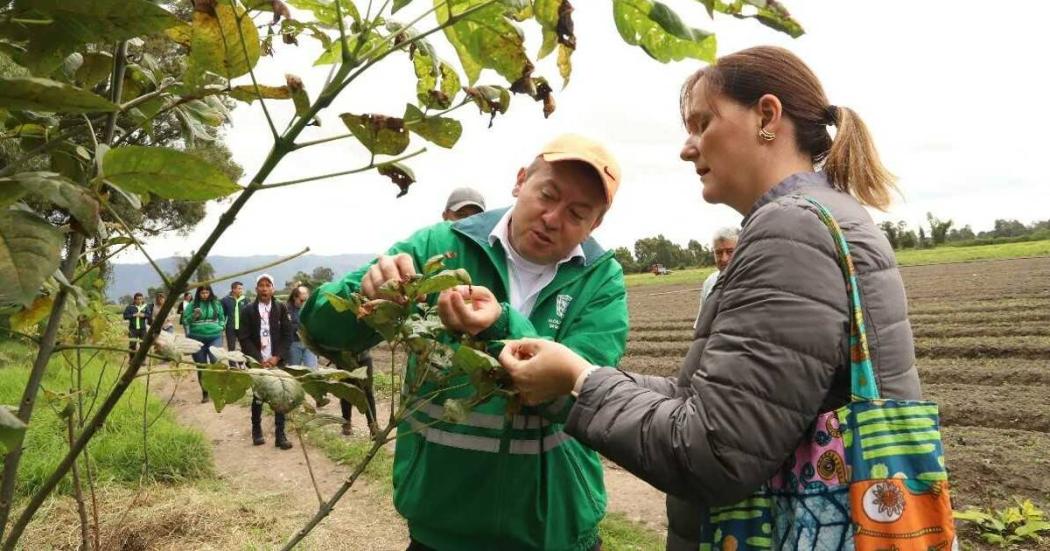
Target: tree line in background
936, 232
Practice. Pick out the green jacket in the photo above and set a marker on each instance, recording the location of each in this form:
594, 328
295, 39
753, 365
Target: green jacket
494, 482
211, 322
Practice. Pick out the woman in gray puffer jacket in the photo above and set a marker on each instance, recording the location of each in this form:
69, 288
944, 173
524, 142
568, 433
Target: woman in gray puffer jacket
770, 350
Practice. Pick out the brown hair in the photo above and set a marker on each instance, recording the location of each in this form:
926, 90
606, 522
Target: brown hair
850, 160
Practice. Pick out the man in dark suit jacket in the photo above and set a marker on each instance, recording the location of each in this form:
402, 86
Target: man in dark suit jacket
266, 335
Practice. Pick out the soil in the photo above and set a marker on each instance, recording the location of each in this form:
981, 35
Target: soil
983, 353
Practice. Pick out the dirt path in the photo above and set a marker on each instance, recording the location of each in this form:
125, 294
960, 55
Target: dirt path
364, 519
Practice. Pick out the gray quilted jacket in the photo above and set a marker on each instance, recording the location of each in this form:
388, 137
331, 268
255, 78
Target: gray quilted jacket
769, 353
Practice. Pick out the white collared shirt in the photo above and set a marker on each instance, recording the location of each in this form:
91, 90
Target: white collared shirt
527, 278
264, 330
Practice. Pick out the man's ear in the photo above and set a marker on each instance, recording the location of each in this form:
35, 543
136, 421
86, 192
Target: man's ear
519, 182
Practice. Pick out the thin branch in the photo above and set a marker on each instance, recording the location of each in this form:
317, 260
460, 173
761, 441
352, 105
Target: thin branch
326, 508
343, 46
322, 140
99, 263
249, 271
131, 104
251, 71
91, 133
116, 87
370, 166
309, 468
138, 244
78, 494
36, 375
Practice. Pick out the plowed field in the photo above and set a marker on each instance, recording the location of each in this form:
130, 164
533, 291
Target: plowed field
982, 341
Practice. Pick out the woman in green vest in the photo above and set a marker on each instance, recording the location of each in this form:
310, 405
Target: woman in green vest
204, 320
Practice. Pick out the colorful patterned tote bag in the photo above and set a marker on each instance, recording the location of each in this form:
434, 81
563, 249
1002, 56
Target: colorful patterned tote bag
869, 476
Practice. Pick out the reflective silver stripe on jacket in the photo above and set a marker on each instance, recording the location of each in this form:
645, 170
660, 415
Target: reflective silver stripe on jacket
488, 420
484, 443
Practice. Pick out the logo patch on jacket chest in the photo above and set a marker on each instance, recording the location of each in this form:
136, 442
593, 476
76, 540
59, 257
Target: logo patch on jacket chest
561, 305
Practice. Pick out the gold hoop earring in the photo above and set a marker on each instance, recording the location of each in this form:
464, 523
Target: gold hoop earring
766, 135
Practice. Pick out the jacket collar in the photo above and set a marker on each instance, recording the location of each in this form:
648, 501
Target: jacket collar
479, 226
791, 184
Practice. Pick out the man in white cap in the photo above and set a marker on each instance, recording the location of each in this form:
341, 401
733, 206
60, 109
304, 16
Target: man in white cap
266, 335
463, 202
493, 480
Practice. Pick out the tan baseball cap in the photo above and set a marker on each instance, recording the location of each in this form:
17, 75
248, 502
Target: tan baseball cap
573, 147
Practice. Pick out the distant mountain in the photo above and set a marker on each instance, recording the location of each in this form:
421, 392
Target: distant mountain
131, 278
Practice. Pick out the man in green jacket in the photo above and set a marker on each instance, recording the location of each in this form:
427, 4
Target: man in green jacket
495, 481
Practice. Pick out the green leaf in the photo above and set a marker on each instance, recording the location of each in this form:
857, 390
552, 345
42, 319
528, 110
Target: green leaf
437, 82
12, 429
660, 32
485, 39
398, 4
96, 67
167, 173
277, 388
41, 94
324, 10
399, 174
25, 319
340, 304
470, 361
455, 410
58, 191
75, 23
444, 280
249, 93
351, 393
1032, 528
216, 43
224, 385
771, 14
62, 403
357, 44
300, 98
490, 99
437, 262
442, 131
30, 250
380, 134
555, 18
382, 315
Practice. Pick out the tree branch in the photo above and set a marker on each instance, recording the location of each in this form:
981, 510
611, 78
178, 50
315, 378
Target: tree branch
250, 270
370, 166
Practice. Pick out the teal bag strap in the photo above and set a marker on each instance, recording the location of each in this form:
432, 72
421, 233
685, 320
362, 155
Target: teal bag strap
863, 384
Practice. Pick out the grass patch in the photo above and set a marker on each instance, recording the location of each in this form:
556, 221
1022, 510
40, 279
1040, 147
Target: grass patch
175, 453
690, 275
979, 252
912, 257
351, 450
621, 533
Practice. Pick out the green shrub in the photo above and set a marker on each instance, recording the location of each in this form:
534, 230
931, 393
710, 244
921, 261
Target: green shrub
175, 453
1010, 526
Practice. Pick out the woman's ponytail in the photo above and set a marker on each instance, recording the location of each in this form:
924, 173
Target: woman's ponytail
852, 164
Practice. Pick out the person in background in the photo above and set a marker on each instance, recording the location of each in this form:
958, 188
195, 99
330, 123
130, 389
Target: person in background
463, 202
231, 306
298, 353
347, 409
153, 309
187, 298
266, 335
138, 322
722, 246
204, 321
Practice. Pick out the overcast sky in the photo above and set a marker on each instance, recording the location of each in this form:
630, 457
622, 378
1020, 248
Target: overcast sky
952, 94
